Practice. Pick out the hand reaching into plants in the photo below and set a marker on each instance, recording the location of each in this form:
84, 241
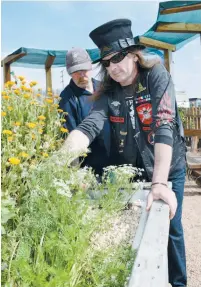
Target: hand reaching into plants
164, 193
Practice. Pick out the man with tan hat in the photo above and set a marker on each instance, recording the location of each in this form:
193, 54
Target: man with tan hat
77, 100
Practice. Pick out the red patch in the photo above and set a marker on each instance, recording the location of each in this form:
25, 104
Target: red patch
146, 128
116, 119
145, 113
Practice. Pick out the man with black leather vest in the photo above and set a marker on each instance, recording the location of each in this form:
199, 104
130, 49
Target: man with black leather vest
77, 100
138, 98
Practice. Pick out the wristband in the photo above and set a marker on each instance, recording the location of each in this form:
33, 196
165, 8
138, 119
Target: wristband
159, 183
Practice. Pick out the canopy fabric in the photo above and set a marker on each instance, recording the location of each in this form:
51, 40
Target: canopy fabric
177, 39
36, 58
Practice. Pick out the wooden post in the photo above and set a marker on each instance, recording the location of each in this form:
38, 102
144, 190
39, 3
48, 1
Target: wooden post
6, 72
48, 64
168, 61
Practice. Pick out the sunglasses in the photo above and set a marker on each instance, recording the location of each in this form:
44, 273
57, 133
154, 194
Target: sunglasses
115, 59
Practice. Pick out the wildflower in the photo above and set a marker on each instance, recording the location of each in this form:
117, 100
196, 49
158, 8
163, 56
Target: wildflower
49, 89
56, 96
17, 124
49, 93
34, 83
33, 136
10, 108
26, 96
21, 78
63, 120
41, 123
9, 84
6, 97
55, 105
40, 131
49, 101
63, 130
33, 103
17, 92
31, 125
10, 139
41, 117
23, 154
44, 154
14, 160
38, 95
3, 114
23, 88
23, 82
85, 155
7, 132
60, 110
3, 93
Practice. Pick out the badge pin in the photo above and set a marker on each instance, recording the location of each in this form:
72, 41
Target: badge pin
140, 88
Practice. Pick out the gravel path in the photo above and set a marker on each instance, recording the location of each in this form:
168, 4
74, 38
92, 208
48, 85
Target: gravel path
192, 231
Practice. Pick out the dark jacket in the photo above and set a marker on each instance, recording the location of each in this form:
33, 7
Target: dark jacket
77, 103
147, 117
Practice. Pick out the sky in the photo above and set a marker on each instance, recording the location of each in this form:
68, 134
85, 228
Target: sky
62, 25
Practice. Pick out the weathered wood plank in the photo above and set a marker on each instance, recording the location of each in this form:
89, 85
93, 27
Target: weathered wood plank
192, 132
156, 44
179, 28
181, 9
150, 267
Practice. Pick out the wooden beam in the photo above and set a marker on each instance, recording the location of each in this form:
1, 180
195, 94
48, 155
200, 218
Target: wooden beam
12, 58
179, 28
168, 60
181, 9
156, 44
49, 61
192, 133
6, 72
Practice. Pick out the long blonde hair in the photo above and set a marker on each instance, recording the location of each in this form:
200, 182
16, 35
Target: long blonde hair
145, 61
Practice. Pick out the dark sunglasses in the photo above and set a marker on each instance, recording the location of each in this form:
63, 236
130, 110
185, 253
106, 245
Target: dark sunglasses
115, 59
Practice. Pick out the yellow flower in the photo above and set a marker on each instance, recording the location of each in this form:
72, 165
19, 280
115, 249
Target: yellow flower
6, 97
10, 108
31, 125
33, 83
26, 96
49, 89
63, 130
41, 117
17, 92
60, 110
33, 136
55, 105
85, 155
56, 96
23, 88
40, 131
38, 95
10, 139
23, 154
28, 90
23, 82
14, 160
44, 154
17, 124
3, 114
10, 84
21, 78
33, 103
63, 120
3, 93
49, 101
7, 132
49, 93
41, 123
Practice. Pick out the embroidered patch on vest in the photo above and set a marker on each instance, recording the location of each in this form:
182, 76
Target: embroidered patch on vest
140, 88
145, 113
116, 119
142, 99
